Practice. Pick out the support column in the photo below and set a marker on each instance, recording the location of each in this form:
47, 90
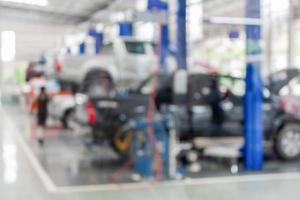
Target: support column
269, 40
253, 115
164, 32
82, 48
164, 46
291, 35
98, 37
181, 35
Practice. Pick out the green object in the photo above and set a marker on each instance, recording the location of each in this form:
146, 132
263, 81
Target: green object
20, 75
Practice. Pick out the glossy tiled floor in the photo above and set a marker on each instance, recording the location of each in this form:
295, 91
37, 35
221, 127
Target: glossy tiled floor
21, 177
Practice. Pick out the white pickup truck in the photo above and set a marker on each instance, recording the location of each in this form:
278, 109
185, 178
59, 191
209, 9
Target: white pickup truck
126, 61
123, 63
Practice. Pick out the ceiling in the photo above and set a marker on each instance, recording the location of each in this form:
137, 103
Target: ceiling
56, 12
41, 27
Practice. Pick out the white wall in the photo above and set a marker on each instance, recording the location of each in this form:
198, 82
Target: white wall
32, 39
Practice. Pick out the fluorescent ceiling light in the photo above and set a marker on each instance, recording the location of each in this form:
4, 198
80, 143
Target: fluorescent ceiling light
30, 2
233, 20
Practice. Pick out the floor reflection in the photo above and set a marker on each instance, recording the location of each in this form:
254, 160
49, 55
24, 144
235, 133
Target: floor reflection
9, 154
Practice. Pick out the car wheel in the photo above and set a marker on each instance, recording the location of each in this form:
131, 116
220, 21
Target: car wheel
287, 142
121, 142
68, 118
98, 83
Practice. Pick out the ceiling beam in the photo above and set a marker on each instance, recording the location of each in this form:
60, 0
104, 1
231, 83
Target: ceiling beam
38, 16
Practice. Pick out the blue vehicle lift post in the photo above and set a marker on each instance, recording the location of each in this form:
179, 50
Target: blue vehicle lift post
143, 147
98, 37
253, 116
181, 35
82, 48
164, 46
164, 32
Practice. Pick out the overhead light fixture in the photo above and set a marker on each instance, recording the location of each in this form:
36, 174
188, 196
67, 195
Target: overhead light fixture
233, 21
29, 2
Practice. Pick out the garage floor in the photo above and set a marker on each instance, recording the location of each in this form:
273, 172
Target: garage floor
30, 172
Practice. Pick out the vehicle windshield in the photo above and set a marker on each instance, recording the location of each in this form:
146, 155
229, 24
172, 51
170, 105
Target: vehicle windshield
135, 47
147, 85
235, 85
292, 88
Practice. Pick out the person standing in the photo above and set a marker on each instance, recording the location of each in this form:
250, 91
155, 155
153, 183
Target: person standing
215, 100
42, 114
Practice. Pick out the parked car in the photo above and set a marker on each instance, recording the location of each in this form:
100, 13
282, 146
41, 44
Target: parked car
61, 107
34, 70
194, 115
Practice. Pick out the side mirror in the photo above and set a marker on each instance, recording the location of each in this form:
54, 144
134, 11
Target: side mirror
180, 87
180, 82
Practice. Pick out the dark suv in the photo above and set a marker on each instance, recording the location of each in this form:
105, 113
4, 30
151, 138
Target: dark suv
194, 116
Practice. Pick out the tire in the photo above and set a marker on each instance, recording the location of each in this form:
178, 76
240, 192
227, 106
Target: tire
287, 143
121, 143
67, 118
100, 79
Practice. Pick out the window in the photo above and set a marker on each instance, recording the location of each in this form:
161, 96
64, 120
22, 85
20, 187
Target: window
135, 47
146, 86
8, 46
234, 85
155, 47
107, 49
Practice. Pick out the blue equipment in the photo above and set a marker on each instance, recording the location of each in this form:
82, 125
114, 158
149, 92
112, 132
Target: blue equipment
144, 149
126, 29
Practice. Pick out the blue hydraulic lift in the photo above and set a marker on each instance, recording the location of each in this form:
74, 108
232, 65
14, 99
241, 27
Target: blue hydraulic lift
164, 46
253, 115
98, 37
82, 48
181, 35
143, 162
164, 32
